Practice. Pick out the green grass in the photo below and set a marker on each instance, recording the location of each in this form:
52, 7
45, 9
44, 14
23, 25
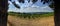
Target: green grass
24, 15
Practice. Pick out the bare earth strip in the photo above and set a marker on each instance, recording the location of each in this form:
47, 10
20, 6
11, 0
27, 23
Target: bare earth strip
16, 21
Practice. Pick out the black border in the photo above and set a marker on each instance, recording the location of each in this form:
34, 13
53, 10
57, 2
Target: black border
3, 5
57, 12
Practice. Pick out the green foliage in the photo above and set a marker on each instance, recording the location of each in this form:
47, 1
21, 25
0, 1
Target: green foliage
28, 15
51, 5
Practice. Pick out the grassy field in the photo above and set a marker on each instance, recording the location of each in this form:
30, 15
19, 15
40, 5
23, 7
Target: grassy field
28, 15
18, 19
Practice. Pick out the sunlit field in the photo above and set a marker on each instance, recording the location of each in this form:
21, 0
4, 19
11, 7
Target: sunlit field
27, 19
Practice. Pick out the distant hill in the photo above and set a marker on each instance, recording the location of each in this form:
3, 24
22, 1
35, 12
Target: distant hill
31, 12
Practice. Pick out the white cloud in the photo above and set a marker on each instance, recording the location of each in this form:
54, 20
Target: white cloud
35, 6
39, 9
14, 10
33, 9
16, 2
9, 2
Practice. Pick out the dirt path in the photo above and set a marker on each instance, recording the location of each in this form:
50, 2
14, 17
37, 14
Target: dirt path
14, 21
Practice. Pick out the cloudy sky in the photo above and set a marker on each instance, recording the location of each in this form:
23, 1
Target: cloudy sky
28, 7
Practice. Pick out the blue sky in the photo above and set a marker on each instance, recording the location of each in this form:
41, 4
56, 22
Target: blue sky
26, 5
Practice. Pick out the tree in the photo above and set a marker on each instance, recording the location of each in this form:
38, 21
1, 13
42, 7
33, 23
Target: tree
51, 5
